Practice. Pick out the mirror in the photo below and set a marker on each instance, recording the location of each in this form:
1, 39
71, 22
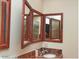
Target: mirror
25, 25
26, 41
53, 28
4, 23
36, 26
31, 25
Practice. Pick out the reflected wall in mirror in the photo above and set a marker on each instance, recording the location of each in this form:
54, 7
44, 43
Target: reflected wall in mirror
4, 23
53, 27
36, 26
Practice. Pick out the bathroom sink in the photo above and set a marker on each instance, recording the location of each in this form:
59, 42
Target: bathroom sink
49, 55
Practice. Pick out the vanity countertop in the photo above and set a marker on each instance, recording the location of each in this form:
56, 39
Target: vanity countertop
43, 53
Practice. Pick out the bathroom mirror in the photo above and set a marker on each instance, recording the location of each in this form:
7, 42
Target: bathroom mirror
25, 41
53, 27
4, 23
36, 26
31, 25
25, 23
27, 11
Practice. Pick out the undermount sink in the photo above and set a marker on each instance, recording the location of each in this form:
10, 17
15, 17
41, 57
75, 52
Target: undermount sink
49, 55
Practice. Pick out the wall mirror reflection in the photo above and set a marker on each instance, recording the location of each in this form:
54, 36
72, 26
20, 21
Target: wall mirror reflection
36, 26
53, 28
4, 23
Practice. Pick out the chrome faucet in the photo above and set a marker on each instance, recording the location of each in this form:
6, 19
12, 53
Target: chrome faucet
43, 51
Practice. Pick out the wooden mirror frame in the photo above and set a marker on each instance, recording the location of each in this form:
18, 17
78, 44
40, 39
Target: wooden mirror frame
30, 28
7, 39
61, 32
23, 14
41, 18
30, 22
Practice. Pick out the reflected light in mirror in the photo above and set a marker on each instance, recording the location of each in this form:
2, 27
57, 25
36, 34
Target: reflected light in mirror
47, 21
25, 17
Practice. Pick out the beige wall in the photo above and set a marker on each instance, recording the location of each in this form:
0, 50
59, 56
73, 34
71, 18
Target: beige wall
36, 4
69, 9
15, 30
